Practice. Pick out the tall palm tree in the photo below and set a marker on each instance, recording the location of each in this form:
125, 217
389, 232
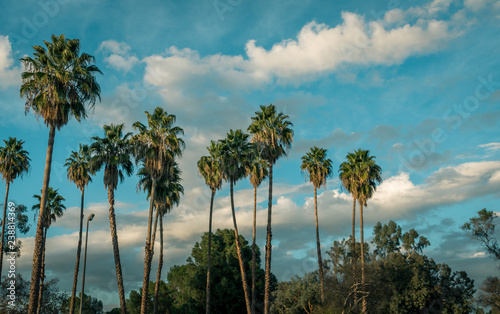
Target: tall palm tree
273, 135
318, 168
14, 162
53, 210
79, 172
235, 155
113, 152
156, 146
368, 175
58, 83
210, 169
257, 169
347, 176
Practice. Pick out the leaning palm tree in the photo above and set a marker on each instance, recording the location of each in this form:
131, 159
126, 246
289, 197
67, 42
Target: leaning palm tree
274, 137
113, 152
318, 168
79, 172
257, 169
156, 146
235, 156
53, 210
14, 162
210, 169
347, 176
368, 175
58, 83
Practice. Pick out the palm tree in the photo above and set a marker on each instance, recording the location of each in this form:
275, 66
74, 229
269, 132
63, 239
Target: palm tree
156, 146
53, 210
58, 83
14, 162
368, 174
273, 135
79, 172
347, 176
318, 168
257, 168
113, 152
210, 169
235, 156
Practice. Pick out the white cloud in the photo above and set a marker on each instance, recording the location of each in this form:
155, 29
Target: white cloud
317, 49
119, 58
490, 146
476, 5
10, 75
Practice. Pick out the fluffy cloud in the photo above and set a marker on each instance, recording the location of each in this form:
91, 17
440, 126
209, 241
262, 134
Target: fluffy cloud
119, 57
10, 75
317, 49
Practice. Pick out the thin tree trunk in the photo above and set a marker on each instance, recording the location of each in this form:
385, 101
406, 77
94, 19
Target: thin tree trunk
320, 262
116, 250
42, 277
209, 250
153, 238
37, 253
147, 253
362, 256
267, 288
238, 250
160, 265
253, 246
3, 226
78, 253
353, 240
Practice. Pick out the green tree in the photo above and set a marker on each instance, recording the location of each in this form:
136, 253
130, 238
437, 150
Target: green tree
490, 293
482, 228
274, 137
113, 152
58, 83
14, 162
156, 146
53, 209
22, 227
257, 169
235, 157
210, 168
91, 305
299, 295
79, 172
318, 168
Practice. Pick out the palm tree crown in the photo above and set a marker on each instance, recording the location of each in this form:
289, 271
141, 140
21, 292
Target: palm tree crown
316, 166
257, 167
54, 208
272, 131
210, 168
235, 155
369, 174
59, 81
14, 160
79, 167
113, 152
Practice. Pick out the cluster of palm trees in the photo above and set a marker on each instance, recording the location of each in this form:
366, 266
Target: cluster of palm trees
60, 82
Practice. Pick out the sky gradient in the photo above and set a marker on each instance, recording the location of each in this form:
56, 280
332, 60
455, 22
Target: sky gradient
415, 82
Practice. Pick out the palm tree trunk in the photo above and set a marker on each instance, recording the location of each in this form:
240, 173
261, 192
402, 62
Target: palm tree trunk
353, 257
42, 277
160, 265
153, 238
320, 262
253, 246
147, 253
267, 288
209, 250
238, 250
37, 253
78, 253
362, 256
116, 251
3, 226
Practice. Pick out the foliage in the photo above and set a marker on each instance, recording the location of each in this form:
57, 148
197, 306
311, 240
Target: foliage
482, 228
52, 301
185, 290
490, 293
14, 160
298, 295
91, 305
22, 226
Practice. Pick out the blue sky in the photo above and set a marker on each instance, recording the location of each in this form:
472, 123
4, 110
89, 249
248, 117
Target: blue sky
415, 82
